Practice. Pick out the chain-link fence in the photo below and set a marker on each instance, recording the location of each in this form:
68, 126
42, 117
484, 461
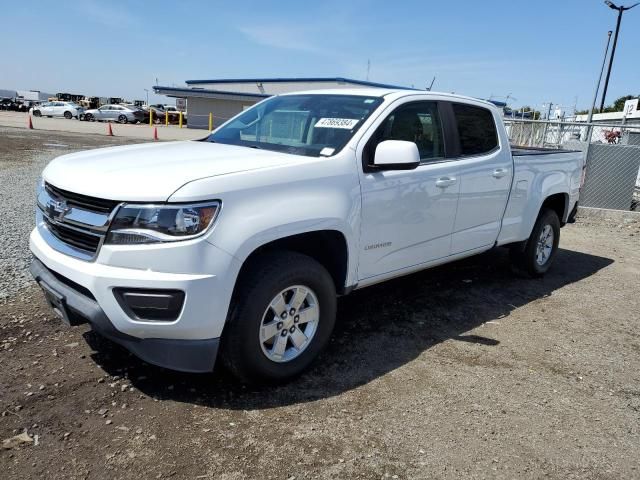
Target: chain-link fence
612, 156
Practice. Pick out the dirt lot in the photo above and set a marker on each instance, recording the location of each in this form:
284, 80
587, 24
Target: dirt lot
465, 371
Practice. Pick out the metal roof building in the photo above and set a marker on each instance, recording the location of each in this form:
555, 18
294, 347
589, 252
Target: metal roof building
224, 98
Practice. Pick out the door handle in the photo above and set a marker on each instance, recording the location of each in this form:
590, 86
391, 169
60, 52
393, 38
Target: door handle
444, 182
499, 172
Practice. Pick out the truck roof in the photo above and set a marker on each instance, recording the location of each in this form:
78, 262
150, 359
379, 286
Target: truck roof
383, 92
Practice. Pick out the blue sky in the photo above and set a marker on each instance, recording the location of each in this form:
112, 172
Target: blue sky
537, 51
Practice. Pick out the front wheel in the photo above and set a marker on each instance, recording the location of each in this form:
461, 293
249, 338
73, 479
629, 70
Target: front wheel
89, 117
122, 119
68, 115
540, 249
36, 113
282, 316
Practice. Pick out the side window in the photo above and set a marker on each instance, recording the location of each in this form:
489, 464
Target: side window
417, 122
476, 128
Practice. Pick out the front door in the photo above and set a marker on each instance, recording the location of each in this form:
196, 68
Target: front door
47, 109
408, 216
103, 113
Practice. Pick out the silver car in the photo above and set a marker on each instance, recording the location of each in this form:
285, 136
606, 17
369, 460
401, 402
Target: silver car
114, 113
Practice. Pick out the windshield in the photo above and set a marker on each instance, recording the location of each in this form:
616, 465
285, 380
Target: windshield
311, 125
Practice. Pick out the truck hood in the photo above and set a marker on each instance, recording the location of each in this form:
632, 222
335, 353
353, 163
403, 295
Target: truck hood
152, 172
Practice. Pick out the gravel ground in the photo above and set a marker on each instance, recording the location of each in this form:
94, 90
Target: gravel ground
23, 155
464, 371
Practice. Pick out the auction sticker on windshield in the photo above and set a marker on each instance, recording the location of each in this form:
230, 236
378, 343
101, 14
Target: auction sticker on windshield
347, 123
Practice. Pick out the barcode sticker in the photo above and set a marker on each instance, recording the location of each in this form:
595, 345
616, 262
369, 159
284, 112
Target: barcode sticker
346, 123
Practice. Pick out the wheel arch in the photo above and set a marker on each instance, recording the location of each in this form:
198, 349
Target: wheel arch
327, 247
559, 203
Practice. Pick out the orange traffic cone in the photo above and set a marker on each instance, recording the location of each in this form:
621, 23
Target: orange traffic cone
109, 130
155, 133
30, 123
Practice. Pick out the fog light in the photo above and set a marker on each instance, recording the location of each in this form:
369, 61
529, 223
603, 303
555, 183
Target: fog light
146, 304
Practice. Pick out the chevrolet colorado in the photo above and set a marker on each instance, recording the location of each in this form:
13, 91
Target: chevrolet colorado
238, 244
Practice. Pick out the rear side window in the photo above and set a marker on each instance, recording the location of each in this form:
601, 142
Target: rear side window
476, 129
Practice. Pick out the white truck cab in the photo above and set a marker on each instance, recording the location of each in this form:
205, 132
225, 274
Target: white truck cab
237, 245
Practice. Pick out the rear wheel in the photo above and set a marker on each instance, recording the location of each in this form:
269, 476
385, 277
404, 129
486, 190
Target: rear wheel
540, 249
282, 316
122, 119
68, 115
37, 113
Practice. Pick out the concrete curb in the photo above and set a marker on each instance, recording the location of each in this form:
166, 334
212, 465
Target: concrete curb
606, 214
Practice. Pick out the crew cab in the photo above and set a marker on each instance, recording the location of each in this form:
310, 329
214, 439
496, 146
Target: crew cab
237, 245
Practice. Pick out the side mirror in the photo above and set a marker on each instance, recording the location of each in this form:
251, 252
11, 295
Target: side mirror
396, 155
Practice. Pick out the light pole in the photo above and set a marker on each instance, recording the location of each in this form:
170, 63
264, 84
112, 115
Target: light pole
147, 91
587, 135
621, 9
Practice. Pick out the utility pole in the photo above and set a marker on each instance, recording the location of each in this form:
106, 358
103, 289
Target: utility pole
621, 9
368, 68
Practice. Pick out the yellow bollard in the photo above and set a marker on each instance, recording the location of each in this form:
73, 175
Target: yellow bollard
210, 121
166, 119
150, 118
180, 120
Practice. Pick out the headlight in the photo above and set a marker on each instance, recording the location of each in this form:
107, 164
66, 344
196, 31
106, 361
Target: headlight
135, 224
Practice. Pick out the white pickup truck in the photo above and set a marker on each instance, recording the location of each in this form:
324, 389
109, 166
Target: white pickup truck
238, 244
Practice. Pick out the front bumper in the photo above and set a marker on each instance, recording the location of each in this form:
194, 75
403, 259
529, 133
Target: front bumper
188, 343
182, 355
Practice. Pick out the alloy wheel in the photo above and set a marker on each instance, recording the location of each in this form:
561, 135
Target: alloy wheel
289, 323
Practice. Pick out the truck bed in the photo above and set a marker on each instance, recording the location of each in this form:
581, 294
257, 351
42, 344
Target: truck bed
524, 151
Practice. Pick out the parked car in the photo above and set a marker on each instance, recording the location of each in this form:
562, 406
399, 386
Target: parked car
145, 113
115, 113
57, 109
160, 111
240, 242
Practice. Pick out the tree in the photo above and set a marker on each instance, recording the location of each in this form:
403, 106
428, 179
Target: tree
617, 106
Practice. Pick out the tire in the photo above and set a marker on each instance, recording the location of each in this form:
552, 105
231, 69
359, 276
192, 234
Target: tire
122, 119
275, 278
37, 113
89, 117
538, 253
68, 115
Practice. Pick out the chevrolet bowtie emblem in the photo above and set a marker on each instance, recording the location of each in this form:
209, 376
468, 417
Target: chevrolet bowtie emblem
57, 210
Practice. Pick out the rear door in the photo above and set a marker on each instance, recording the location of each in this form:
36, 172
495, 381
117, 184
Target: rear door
407, 216
485, 174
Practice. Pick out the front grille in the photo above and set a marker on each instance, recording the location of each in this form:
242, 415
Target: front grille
75, 224
76, 238
83, 201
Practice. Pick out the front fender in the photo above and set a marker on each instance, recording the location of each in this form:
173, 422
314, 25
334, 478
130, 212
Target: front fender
262, 206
